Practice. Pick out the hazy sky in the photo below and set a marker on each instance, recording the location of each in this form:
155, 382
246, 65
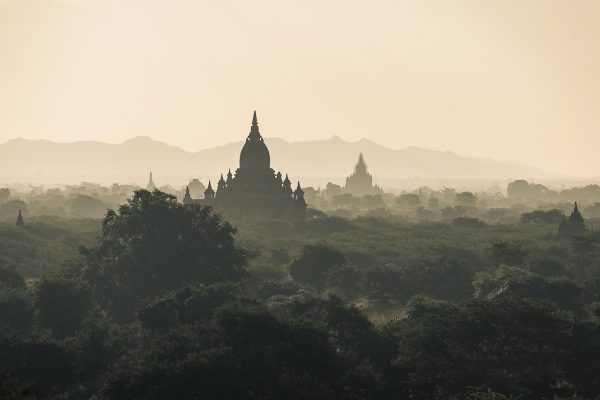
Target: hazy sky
507, 79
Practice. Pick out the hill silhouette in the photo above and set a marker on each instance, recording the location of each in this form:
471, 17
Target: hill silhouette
24, 160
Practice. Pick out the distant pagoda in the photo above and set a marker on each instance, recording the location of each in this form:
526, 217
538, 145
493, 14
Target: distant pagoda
255, 191
360, 183
20, 221
574, 225
187, 198
150, 186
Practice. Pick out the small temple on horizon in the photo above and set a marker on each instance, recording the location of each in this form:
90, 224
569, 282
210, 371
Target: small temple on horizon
574, 225
20, 221
360, 183
150, 186
255, 191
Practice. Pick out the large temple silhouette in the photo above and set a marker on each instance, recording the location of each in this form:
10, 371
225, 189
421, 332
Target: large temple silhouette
255, 191
360, 183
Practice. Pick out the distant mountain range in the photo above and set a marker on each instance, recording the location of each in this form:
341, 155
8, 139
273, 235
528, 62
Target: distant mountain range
33, 160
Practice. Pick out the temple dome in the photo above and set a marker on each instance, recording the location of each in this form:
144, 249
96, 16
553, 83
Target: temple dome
255, 154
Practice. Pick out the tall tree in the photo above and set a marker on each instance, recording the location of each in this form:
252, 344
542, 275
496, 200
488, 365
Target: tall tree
154, 244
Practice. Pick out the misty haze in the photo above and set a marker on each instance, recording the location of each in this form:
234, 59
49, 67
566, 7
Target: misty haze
299, 200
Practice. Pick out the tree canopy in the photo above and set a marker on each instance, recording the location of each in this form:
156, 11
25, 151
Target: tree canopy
154, 244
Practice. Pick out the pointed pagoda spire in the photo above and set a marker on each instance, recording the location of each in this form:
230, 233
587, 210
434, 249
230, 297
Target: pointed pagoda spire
361, 166
187, 198
150, 186
287, 184
20, 221
299, 193
209, 193
575, 210
221, 184
254, 132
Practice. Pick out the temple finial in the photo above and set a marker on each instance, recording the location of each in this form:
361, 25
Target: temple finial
254, 132
20, 219
361, 166
151, 186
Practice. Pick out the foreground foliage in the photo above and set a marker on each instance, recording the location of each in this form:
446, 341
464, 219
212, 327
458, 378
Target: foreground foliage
166, 305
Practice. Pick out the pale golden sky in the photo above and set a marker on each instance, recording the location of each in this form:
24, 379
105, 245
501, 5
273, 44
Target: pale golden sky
508, 79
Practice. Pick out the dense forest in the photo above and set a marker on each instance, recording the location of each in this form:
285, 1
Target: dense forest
427, 294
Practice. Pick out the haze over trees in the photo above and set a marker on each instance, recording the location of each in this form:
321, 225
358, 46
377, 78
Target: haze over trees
300, 266
166, 301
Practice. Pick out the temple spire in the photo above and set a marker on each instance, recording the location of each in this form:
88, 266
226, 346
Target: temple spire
254, 132
150, 186
209, 193
187, 198
20, 221
361, 166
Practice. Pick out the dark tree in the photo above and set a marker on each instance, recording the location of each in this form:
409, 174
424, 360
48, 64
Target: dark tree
408, 200
511, 346
553, 216
4, 195
35, 359
16, 309
62, 304
467, 199
12, 389
521, 189
11, 279
509, 253
469, 222
242, 352
154, 244
314, 262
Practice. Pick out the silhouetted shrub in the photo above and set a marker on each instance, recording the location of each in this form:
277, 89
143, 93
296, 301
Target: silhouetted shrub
153, 245
10, 279
16, 309
62, 304
313, 264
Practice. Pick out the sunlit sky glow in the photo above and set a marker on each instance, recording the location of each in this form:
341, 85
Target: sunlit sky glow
508, 79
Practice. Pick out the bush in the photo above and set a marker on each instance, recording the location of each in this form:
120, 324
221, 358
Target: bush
16, 309
313, 263
10, 279
62, 304
469, 222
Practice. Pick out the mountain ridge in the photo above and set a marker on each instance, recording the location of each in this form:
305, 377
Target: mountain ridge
334, 156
